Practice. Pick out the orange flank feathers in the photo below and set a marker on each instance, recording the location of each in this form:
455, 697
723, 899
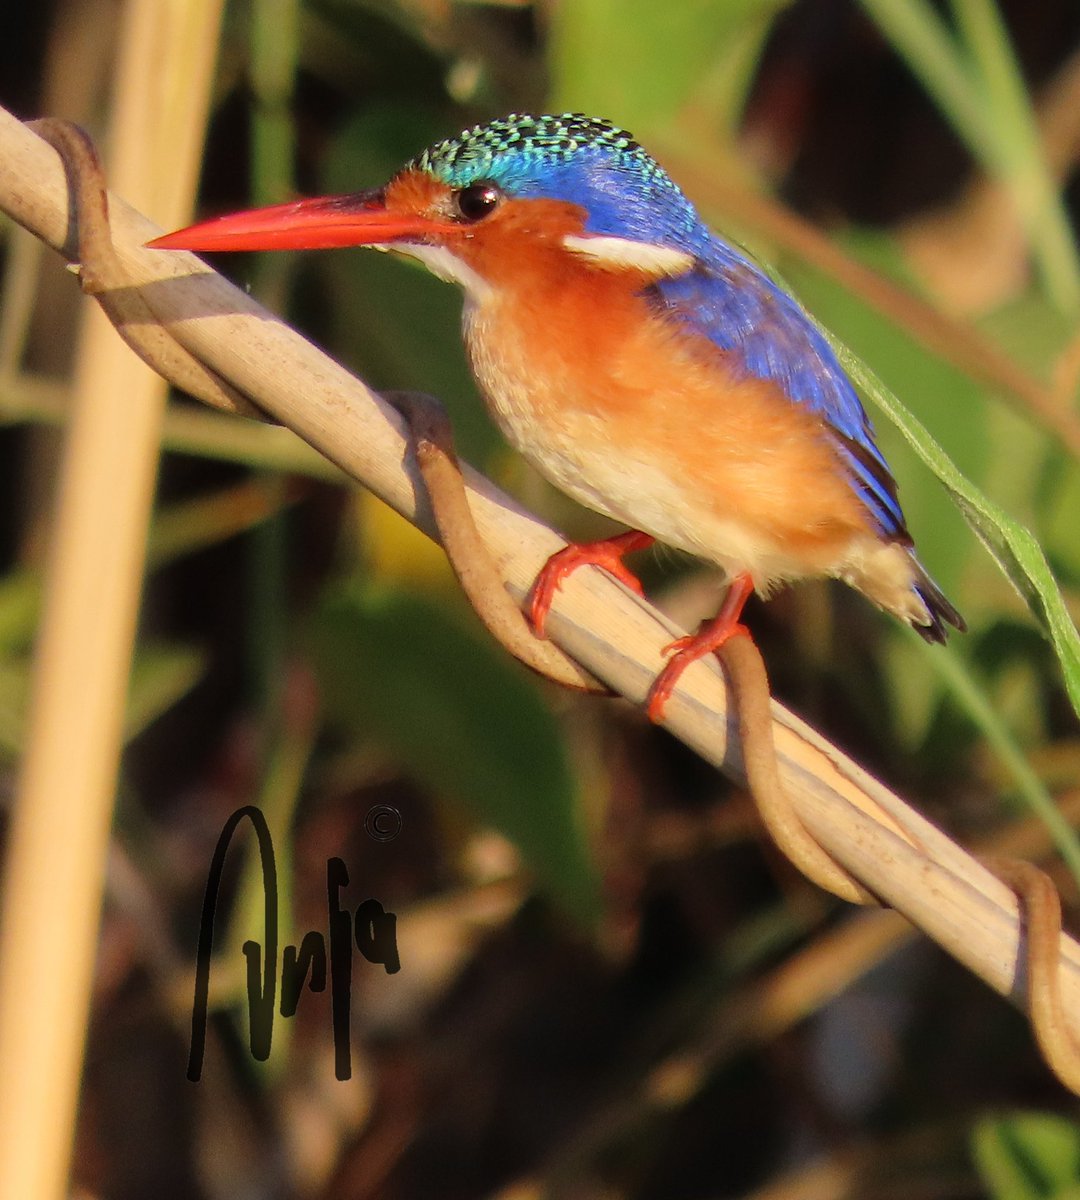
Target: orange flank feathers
646, 423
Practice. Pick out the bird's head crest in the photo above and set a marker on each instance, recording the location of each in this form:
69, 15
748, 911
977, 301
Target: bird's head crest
582, 160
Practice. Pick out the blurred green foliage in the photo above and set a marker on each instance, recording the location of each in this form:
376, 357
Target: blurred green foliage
644, 63
1028, 1156
462, 718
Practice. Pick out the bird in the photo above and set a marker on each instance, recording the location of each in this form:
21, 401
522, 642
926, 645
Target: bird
639, 361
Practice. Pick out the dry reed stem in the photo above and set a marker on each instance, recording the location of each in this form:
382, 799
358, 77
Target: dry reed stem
675, 1081
890, 848
40, 399
62, 816
432, 447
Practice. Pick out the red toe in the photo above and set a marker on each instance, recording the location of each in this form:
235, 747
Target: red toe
607, 553
707, 640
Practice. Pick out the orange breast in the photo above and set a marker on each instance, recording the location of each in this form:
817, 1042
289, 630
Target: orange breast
652, 425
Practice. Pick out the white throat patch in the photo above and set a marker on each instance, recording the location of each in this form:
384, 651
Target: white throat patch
444, 264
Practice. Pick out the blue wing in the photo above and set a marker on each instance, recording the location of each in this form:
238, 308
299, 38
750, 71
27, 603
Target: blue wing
738, 308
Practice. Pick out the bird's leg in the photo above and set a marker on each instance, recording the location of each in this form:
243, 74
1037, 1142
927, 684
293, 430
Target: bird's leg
707, 640
432, 441
607, 553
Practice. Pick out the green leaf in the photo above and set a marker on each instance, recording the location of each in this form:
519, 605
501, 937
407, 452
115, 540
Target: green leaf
14, 689
1013, 547
160, 676
974, 78
973, 698
462, 718
1059, 521
20, 599
1028, 1156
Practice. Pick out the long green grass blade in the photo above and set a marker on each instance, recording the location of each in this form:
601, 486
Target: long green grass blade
1019, 146
1012, 545
926, 44
969, 694
974, 78
1027, 1156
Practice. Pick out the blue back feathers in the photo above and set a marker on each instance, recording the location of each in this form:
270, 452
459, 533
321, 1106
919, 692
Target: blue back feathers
729, 300
725, 297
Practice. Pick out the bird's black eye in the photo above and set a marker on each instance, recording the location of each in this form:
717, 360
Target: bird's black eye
477, 200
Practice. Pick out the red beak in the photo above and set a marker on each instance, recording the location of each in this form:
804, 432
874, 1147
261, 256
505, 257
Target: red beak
361, 219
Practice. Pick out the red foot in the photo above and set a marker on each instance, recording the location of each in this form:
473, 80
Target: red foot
707, 640
607, 553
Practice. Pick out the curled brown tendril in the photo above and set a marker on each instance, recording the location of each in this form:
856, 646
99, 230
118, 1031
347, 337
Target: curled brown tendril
750, 685
476, 571
102, 276
1040, 968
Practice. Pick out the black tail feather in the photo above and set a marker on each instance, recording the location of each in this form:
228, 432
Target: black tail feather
941, 612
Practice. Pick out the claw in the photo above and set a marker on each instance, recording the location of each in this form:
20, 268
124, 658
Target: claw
688, 649
607, 553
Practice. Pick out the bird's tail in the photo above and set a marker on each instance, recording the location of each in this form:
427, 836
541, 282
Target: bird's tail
938, 608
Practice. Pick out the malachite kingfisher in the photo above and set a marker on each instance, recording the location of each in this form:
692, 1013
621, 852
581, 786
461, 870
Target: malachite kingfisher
638, 361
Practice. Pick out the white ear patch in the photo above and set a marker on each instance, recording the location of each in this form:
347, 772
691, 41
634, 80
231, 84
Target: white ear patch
624, 254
